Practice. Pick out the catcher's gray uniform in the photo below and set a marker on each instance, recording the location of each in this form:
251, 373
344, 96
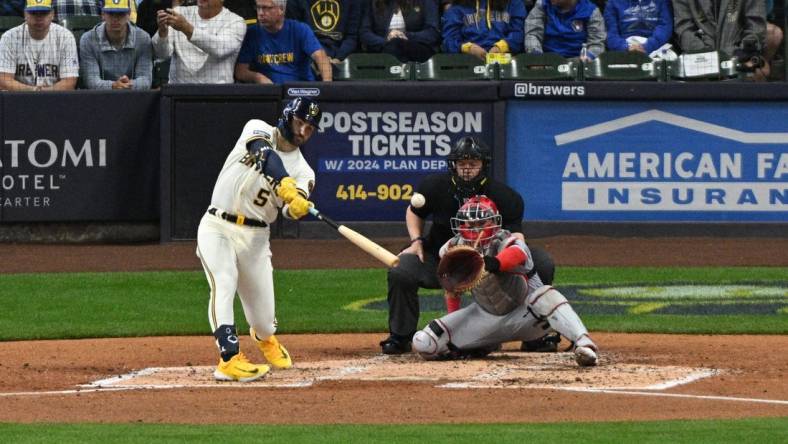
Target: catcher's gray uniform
510, 305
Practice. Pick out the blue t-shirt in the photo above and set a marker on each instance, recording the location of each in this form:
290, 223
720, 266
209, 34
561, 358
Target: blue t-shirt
284, 56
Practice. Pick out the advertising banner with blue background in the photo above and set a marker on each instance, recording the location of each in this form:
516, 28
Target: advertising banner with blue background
651, 161
370, 157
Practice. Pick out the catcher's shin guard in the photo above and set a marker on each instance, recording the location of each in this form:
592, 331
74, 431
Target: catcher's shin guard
550, 304
432, 342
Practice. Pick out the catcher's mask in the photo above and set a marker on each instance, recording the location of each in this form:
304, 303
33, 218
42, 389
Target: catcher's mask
304, 108
467, 148
477, 221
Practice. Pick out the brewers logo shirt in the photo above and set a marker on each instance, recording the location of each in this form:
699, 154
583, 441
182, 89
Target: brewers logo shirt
281, 56
39, 62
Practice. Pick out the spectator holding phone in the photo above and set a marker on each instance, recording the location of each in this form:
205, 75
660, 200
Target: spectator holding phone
203, 42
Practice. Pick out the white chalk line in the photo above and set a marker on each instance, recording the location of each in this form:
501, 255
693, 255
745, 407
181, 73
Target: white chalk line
68, 392
675, 395
568, 389
479, 381
116, 379
114, 384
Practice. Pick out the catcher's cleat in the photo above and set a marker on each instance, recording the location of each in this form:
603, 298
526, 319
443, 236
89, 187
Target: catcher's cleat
473, 353
238, 368
585, 351
274, 352
546, 344
394, 346
585, 356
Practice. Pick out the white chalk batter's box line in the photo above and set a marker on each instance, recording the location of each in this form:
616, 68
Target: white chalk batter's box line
483, 380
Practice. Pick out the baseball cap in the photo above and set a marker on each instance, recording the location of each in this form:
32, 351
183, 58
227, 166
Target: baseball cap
116, 6
38, 5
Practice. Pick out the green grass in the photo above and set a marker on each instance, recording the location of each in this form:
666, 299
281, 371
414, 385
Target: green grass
715, 431
79, 305
62, 305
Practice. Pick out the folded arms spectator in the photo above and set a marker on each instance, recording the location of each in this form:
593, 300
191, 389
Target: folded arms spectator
116, 54
479, 27
407, 29
629, 22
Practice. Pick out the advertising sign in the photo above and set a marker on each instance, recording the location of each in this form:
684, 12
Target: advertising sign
655, 161
98, 167
370, 157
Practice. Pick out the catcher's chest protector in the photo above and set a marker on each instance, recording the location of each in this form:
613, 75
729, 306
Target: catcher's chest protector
500, 293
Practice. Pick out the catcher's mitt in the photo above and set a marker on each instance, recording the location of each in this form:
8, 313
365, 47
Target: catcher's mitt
461, 269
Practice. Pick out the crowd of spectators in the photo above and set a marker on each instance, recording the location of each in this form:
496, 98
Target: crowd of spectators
277, 41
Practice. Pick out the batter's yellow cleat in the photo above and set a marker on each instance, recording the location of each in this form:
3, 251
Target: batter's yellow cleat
273, 351
238, 368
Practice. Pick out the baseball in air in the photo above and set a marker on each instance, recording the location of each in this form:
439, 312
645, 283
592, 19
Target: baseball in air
418, 200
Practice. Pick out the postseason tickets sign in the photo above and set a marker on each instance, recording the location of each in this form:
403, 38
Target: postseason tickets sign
657, 161
370, 157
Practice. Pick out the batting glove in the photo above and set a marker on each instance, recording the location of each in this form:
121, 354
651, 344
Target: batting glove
287, 190
299, 207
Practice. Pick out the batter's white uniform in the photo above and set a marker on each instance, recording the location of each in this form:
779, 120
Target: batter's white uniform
238, 257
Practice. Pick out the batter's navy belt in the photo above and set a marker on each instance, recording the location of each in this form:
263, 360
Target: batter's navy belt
236, 219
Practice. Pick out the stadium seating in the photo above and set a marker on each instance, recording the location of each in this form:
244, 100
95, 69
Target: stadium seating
622, 66
452, 67
80, 24
548, 66
7, 22
366, 66
715, 65
161, 73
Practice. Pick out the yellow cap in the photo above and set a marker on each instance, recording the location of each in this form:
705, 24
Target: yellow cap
116, 6
38, 5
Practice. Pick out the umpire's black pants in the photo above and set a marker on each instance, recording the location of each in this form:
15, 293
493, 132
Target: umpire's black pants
405, 279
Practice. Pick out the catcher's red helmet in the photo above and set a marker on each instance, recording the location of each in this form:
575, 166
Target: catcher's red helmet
477, 220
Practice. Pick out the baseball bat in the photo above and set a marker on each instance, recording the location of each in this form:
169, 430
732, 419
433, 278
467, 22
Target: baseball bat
359, 240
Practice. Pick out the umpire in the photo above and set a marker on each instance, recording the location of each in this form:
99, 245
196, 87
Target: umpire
468, 163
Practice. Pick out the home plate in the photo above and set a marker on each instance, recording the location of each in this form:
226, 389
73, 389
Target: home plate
499, 370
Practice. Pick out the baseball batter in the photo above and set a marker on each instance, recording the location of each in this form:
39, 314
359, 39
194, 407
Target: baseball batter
510, 303
265, 173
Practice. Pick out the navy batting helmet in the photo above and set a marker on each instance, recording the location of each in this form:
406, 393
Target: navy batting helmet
305, 109
468, 148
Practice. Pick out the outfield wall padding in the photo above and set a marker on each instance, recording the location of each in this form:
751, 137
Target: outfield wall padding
142, 157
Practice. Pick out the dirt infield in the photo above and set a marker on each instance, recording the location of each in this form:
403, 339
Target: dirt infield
737, 376
751, 367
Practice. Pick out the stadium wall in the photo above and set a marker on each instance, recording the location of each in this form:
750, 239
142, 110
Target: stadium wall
589, 157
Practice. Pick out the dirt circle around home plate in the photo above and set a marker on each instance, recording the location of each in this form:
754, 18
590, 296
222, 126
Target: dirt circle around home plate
343, 378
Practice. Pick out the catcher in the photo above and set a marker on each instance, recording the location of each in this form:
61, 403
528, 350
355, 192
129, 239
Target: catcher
510, 301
